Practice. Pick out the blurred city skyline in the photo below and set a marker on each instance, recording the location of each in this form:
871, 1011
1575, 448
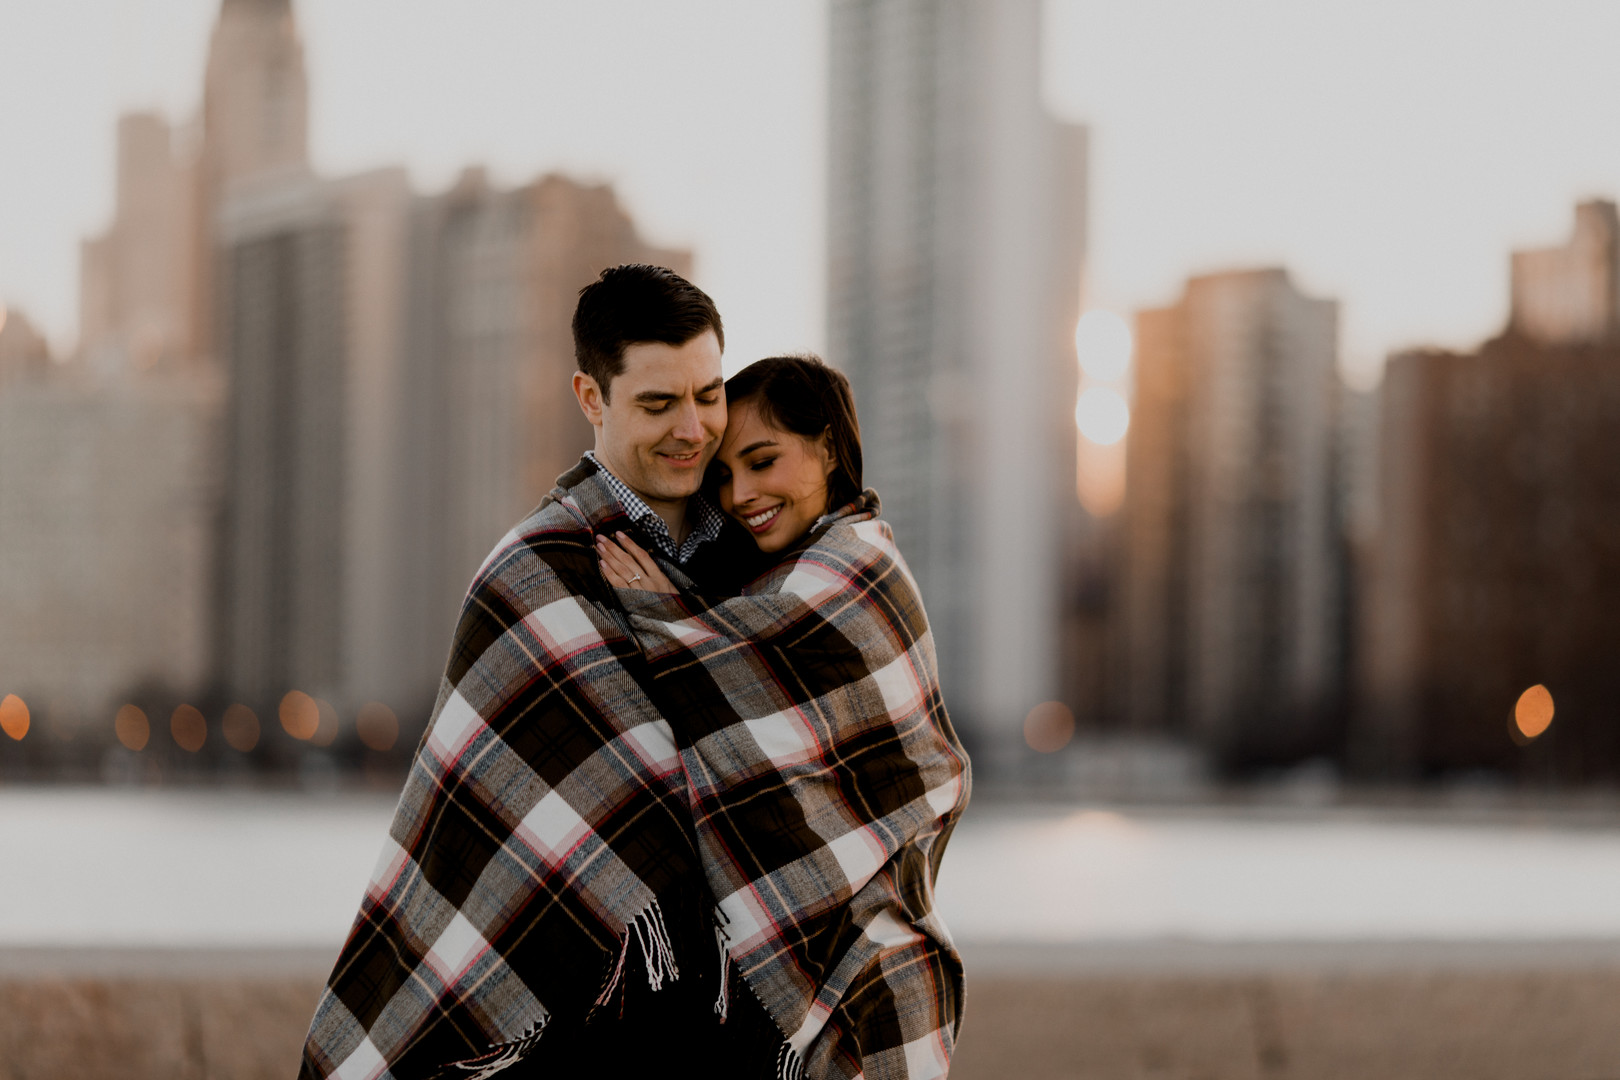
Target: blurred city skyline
1387, 161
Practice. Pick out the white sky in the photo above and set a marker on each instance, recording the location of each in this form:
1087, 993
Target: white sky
1389, 153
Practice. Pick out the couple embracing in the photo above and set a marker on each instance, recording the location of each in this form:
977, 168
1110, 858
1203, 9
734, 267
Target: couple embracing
689, 777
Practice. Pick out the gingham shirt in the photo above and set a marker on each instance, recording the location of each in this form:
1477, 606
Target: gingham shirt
704, 519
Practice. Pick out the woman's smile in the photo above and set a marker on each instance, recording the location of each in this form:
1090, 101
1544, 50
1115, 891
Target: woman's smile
761, 521
773, 481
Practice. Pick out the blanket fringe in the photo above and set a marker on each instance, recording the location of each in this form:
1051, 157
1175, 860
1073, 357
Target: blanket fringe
615, 975
648, 929
789, 1065
499, 1058
722, 1004
655, 947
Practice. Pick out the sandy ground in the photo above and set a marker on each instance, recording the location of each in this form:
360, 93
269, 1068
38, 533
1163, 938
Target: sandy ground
1154, 1011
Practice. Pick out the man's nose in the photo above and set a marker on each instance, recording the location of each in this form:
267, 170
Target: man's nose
688, 428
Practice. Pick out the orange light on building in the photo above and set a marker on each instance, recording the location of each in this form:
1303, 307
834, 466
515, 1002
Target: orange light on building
377, 726
1049, 727
132, 727
13, 710
300, 716
1533, 713
189, 728
240, 726
326, 725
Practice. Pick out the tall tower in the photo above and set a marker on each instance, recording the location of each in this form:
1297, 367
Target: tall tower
1232, 586
956, 218
135, 278
255, 123
1570, 295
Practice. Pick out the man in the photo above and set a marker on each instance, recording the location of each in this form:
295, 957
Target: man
540, 899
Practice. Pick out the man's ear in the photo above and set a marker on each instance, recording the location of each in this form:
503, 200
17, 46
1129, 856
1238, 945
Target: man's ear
591, 399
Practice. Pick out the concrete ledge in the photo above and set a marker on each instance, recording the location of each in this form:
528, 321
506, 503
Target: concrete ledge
1154, 1011
1098, 959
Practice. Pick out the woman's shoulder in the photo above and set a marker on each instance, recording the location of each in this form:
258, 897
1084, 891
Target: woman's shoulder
843, 547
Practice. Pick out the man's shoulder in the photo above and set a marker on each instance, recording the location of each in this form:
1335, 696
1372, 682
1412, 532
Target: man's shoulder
555, 539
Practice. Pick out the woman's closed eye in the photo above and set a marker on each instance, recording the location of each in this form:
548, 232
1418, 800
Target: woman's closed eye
761, 465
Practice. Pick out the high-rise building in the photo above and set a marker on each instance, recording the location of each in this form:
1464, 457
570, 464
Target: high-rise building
489, 357
255, 123
135, 303
1233, 565
310, 335
955, 239
1496, 566
25, 355
107, 500
1570, 295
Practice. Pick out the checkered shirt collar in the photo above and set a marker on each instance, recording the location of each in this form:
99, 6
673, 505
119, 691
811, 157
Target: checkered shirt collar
705, 520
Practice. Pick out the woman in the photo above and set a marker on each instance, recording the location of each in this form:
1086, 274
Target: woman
822, 768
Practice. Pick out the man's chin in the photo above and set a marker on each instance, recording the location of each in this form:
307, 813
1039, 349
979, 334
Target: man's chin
672, 484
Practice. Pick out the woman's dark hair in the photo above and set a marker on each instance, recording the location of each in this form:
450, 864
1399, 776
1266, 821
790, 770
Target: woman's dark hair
803, 395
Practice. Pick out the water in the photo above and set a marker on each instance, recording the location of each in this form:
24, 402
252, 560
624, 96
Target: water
164, 868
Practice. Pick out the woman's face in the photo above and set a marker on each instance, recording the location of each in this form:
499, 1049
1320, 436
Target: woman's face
773, 481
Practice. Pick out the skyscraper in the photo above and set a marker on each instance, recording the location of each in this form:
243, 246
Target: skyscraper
1570, 295
1232, 578
255, 122
135, 303
1497, 566
956, 210
488, 356
312, 282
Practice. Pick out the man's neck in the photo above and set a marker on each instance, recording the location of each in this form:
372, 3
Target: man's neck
672, 512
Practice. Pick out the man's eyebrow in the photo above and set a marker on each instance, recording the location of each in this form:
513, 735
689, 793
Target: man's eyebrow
649, 396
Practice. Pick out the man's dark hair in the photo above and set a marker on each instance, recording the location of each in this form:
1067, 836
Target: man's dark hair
632, 304
802, 394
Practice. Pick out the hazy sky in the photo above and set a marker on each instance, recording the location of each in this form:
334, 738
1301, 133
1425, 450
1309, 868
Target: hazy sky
1389, 153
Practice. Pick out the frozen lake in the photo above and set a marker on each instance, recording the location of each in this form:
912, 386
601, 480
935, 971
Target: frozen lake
135, 868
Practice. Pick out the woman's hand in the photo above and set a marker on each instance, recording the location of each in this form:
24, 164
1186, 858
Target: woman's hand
626, 566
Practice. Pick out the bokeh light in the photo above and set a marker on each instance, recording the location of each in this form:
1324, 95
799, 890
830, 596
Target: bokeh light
1533, 713
377, 726
1102, 415
1102, 342
1049, 727
13, 711
240, 726
189, 728
132, 727
300, 716
326, 724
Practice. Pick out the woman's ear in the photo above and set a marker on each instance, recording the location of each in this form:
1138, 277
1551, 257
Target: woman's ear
829, 459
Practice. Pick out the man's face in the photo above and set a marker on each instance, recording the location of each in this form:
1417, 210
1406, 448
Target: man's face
664, 417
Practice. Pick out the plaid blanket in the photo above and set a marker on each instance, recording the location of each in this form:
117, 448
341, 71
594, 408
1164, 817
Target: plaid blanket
825, 779
542, 852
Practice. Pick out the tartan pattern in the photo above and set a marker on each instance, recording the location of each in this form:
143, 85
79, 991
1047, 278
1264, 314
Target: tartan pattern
541, 853
825, 779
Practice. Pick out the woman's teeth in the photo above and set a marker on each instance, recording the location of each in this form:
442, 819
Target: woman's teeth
761, 518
